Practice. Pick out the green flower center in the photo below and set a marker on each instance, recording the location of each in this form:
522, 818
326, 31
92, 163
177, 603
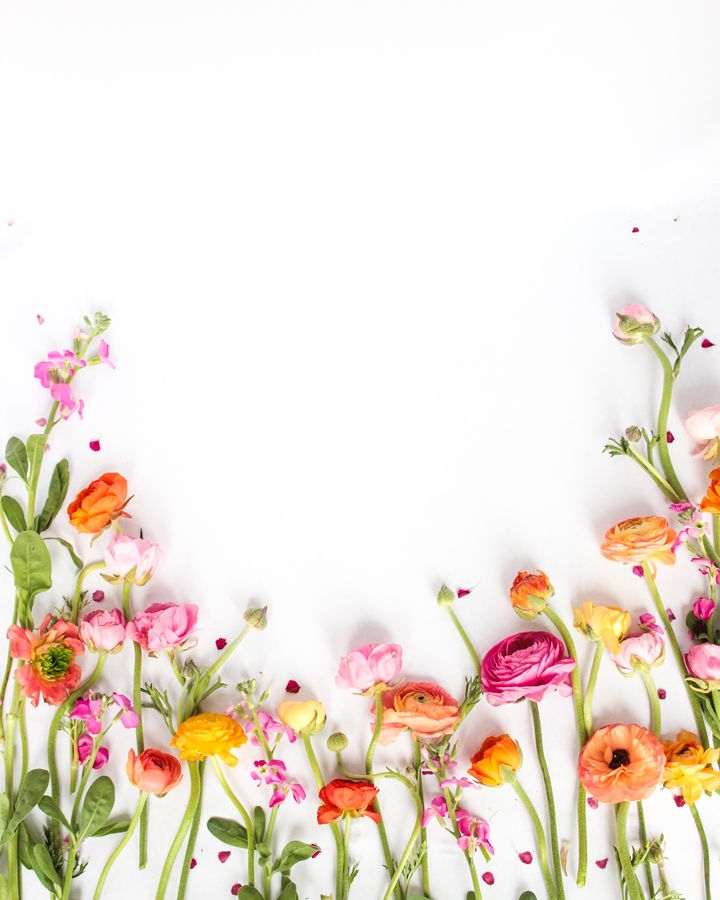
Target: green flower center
55, 662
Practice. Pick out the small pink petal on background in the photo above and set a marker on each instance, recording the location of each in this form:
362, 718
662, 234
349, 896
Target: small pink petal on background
224, 856
638, 570
525, 857
601, 863
670, 614
221, 643
292, 687
593, 803
235, 889
488, 878
98, 596
462, 592
679, 802
41, 422
193, 863
662, 693
706, 343
40, 319
94, 445
670, 437
635, 230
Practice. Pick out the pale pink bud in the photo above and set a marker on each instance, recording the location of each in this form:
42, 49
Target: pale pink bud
639, 652
132, 559
370, 667
103, 629
703, 662
634, 322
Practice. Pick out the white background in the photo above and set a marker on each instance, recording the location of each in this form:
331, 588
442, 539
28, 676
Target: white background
361, 261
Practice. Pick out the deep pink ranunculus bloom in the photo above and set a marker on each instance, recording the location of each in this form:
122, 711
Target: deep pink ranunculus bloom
526, 666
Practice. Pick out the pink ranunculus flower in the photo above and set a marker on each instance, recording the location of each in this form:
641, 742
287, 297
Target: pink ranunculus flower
163, 626
639, 653
85, 747
633, 322
703, 608
370, 668
132, 559
703, 426
526, 666
703, 662
103, 629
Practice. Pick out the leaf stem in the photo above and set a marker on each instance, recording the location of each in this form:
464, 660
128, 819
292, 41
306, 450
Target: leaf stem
192, 838
181, 832
90, 567
552, 816
590, 688
662, 420
477, 662
369, 756
705, 852
654, 703
121, 846
644, 842
540, 842
631, 883
337, 834
138, 707
245, 817
424, 862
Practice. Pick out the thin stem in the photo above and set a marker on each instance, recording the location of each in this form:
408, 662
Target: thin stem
228, 652
369, 756
648, 467
477, 663
3, 522
705, 852
662, 421
320, 784
82, 574
424, 863
552, 816
121, 846
540, 842
34, 474
192, 838
8, 670
590, 688
245, 817
631, 883
69, 869
644, 843
181, 832
346, 857
267, 869
22, 726
654, 703
468, 857
12, 858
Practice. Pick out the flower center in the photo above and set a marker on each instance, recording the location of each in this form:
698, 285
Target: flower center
54, 663
619, 758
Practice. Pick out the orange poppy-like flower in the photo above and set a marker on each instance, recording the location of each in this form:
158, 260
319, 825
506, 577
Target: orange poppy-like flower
344, 799
50, 670
496, 754
97, 505
621, 762
422, 708
530, 593
689, 767
710, 503
639, 540
153, 771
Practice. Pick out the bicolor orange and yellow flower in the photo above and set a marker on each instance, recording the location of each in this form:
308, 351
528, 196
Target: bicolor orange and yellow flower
607, 624
638, 540
689, 767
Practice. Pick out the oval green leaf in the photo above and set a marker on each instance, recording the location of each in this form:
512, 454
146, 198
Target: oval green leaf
14, 513
97, 806
228, 831
56, 495
16, 456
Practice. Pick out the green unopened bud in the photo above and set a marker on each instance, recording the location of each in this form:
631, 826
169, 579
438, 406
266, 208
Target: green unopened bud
633, 434
247, 687
256, 618
445, 596
190, 668
656, 851
337, 742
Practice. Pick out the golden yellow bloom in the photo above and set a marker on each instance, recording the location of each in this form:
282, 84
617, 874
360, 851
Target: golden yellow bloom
303, 716
688, 767
608, 624
209, 734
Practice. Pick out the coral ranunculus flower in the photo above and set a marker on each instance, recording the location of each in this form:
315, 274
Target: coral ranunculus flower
51, 670
530, 593
526, 666
422, 708
209, 734
620, 763
100, 503
342, 798
639, 540
710, 503
153, 771
689, 767
608, 624
497, 752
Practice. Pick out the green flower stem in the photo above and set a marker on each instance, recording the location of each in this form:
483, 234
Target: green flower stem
582, 733
656, 476
192, 837
181, 832
34, 474
82, 574
346, 857
644, 843
704, 844
451, 805
716, 533
228, 651
634, 891
369, 756
677, 652
465, 639
590, 688
320, 784
267, 870
121, 846
6, 673
654, 703
424, 864
540, 842
3, 522
552, 816
87, 769
12, 858
663, 413
22, 727
69, 869
137, 705
245, 817
417, 830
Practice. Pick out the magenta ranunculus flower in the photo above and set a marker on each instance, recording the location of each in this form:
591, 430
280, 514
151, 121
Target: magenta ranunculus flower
526, 666
163, 625
703, 662
132, 559
103, 629
370, 668
703, 608
639, 653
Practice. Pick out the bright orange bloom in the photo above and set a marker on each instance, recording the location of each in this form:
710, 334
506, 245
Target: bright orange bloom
621, 762
689, 767
495, 752
639, 540
710, 503
209, 734
343, 798
50, 670
97, 505
153, 771
530, 593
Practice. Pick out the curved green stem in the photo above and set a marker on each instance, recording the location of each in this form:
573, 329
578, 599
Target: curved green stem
69, 869
552, 816
468, 856
34, 474
228, 652
656, 476
245, 817
540, 842
181, 832
82, 574
477, 662
192, 837
632, 885
12, 846
644, 843
424, 863
369, 756
137, 705
337, 834
120, 847
8, 670
705, 852
663, 413
346, 857
590, 688
654, 703
409, 847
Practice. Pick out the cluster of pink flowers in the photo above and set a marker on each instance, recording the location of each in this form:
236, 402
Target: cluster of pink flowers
274, 773
89, 710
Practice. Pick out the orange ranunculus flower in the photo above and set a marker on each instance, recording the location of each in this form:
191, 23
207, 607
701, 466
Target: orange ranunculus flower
153, 771
639, 540
530, 593
621, 762
689, 767
422, 708
343, 798
710, 503
608, 624
209, 734
496, 753
97, 505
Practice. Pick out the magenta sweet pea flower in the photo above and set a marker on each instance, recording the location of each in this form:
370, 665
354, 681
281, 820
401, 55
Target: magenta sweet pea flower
163, 626
370, 668
59, 366
438, 809
103, 629
527, 665
132, 559
85, 746
274, 773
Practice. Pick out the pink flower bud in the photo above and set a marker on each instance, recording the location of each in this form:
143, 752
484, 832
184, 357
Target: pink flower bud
132, 559
370, 667
703, 608
703, 662
103, 629
634, 322
639, 653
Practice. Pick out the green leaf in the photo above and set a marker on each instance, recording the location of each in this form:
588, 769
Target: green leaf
527, 895
31, 790
31, 567
56, 494
118, 827
289, 892
97, 806
259, 822
48, 805
14, 513
44, 864
70, 549
25, 845
16, 456
249, 893
35, 444
293, 853
228, 831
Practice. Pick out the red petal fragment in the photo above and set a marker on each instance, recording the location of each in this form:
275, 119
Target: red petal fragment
679, 802
593, 803
193, 863
317, 852
95, 445
224, 856
526, 857
221, 643
98, 596
488, 878
638, 570
670, 437
235, 889
706, 343
462, 592
662, 693
670, 614
292, 687
601, 863
635, 230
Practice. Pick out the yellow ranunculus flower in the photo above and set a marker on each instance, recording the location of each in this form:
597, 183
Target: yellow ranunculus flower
608, 624
688, 767
303, 716
209, 734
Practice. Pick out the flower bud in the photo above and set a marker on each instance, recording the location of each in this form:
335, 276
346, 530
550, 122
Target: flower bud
337, 742
496, 762
634, 323
530, 593
639, 653
445, 596
633, 434
304, 717
256, 618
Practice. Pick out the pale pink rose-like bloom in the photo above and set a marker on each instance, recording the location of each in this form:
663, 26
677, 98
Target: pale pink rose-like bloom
132, 559
163, 626
703, 426
639, 652
703, 662
103, 629
526, 665
633, 321
370, 667
703, 608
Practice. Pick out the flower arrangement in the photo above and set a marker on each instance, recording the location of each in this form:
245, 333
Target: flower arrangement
57, 650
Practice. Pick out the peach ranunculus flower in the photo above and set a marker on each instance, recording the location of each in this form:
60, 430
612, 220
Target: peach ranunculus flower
497, 755
638, 540
621, 763
153, 771
303, 716
710, 503
50, 669
423, 708
99, 504
634, 322
605, 624
530, 593
703, 426
689, 767
209, 734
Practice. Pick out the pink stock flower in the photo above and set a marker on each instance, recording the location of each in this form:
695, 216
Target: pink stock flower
50, 670
89, 709
527, 665
474, 832
370, 668
703, 608
633, 322
272, 729
59, 366
458, 783
132, 559
639, 653
274, 773
85, 746
62, 394
647, 620
104, 354
703, 662
103, 629
703, 426
128, 716
438, 809
691, 517
163, 626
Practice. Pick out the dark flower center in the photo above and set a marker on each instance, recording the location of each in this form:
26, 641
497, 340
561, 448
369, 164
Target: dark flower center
619, 758
54, 663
